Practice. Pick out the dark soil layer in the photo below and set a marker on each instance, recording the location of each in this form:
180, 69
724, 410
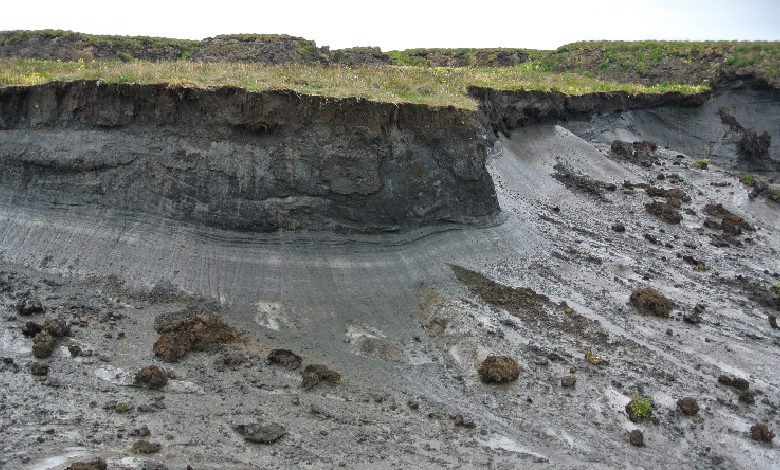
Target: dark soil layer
226, 157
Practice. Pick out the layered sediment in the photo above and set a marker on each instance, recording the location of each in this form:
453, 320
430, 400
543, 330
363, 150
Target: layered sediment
230, 158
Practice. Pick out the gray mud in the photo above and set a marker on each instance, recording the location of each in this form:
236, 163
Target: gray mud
406, 319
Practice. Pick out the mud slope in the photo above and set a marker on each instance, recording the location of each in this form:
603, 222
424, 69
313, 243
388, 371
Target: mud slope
407, 318
249, 161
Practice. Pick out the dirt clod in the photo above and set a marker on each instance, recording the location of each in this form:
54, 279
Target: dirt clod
568, 381
284, 357
43, 345
651, 302
204, 332
151, 376
31, 329
27, 307
636, 438
688, 406
499, 369
316, 373
261, 434
664, 211
39, 368
143, 446
761, 432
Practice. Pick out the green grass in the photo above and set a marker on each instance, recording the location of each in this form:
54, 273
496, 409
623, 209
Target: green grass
640, 406
437, 86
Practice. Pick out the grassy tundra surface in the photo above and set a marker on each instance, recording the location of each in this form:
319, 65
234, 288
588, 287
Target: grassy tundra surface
437, 86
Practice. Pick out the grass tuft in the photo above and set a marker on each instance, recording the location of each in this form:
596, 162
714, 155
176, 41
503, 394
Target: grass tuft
436, 86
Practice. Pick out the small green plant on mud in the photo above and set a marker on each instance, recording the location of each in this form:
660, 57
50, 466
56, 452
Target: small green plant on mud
640, 406
747, 178
342, 381
776, 287
702, 164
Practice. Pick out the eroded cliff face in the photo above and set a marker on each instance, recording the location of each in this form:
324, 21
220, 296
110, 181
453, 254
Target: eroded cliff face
226, 157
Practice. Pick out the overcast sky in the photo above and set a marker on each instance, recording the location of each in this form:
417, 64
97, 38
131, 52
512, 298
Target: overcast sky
404, 24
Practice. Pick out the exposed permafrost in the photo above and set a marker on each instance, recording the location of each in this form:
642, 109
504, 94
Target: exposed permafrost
227, 157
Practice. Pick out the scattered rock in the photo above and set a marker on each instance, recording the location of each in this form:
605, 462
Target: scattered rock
669, 332
761, 432
229, 360
636, 438
773, 321
39, 368
688, 406
28, 306
152, 377
462, 422
203, 332
568, 381
143, 431
620, 228
260, 434
74, 350
143, 446
748, 398
316, 373
649, 301
694, 317
499, 369
284, 357
413, 404
98, 464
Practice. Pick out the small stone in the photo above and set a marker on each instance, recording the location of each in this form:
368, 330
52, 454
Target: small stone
145, 447
39, 369
74, 350
413, 405
31, 329
261, 434
143, 431
568, 381
636, 438
29, 306
725, 380
773, 321
688, 406
669, 332
740, 384
316, 373
618, 228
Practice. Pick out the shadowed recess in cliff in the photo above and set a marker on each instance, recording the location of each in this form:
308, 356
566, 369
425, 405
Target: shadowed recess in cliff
226, 157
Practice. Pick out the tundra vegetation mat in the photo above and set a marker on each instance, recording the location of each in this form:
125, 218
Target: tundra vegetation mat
436, 86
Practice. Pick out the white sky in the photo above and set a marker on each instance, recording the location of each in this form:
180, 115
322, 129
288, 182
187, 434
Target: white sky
404, 24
